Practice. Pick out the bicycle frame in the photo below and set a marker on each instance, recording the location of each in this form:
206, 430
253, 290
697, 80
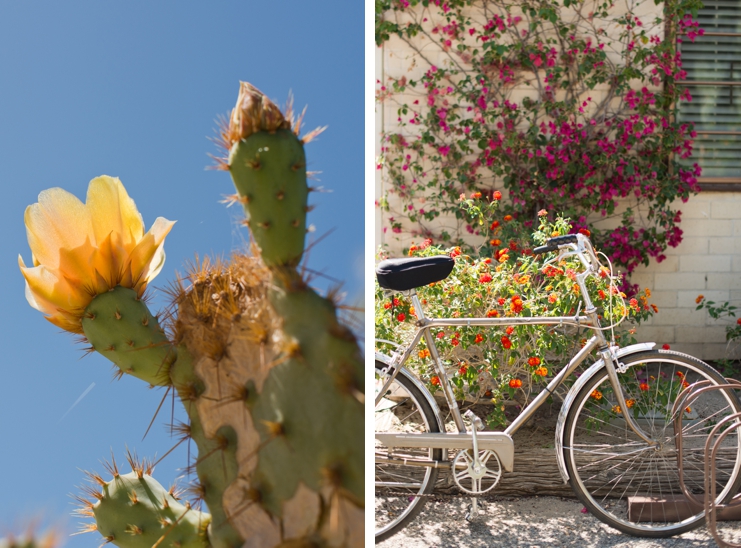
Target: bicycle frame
589, 320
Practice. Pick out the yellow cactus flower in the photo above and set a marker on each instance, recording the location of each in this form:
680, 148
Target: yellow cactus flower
82, 250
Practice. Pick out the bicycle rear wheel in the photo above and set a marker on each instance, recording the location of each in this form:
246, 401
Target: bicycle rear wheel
404, 408
611, 468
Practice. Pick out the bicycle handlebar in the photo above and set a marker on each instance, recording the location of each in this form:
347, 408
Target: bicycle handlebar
554, 243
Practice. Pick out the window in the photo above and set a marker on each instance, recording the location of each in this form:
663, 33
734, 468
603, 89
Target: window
713, 65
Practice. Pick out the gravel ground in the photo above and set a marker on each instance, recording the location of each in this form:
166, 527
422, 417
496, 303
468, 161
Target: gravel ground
532, 522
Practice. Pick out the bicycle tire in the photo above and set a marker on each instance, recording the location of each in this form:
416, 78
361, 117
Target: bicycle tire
411, 411
608, 463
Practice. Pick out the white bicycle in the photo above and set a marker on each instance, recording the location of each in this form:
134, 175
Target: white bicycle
624, 466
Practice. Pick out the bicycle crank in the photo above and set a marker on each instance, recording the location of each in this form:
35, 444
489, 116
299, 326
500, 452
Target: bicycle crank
476, 475
471, 470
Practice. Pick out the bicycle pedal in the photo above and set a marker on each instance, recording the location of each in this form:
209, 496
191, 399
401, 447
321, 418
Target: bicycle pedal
473, 510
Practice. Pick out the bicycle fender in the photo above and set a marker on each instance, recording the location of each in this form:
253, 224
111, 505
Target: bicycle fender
569, 399
388, 360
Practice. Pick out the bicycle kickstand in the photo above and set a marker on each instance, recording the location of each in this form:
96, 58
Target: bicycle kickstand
473, 510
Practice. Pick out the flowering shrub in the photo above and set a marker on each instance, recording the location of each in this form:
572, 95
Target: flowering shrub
507, 363
568, 105
724, 311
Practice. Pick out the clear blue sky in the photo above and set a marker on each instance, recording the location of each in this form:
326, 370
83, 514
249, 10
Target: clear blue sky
131, 89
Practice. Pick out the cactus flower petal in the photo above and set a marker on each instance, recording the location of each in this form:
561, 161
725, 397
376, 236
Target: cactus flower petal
81, 250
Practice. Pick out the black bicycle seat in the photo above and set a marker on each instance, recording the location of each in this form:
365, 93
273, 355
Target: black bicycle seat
408, 273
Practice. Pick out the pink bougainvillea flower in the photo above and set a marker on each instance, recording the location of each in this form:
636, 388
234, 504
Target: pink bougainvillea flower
82, 250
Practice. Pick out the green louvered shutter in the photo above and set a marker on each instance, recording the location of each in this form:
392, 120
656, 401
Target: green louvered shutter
713, 65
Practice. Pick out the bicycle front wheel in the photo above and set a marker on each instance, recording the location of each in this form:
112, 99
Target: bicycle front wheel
621, 479
400, 474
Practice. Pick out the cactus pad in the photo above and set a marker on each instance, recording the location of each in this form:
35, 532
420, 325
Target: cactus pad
134, 511
269, 171
119, 325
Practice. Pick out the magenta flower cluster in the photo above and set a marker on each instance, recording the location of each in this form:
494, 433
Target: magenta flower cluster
594, 139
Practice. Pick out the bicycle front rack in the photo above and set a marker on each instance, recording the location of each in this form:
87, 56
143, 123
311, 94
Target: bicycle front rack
724, 427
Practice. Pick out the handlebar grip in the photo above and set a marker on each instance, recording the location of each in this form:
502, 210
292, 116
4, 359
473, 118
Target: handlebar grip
543, 249
553, 243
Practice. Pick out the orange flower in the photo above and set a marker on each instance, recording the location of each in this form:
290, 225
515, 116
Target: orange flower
596, 394
497, 195
435, 381
508, 218
630, 403
616, 408
424, 354
478, 339
643, 386
541, 371
82, 250
506, 343
492, 314
495, 242
515, 383
699, 299
533, 361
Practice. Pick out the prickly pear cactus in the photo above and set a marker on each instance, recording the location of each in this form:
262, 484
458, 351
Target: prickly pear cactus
135, 510
298, 410
271, 381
